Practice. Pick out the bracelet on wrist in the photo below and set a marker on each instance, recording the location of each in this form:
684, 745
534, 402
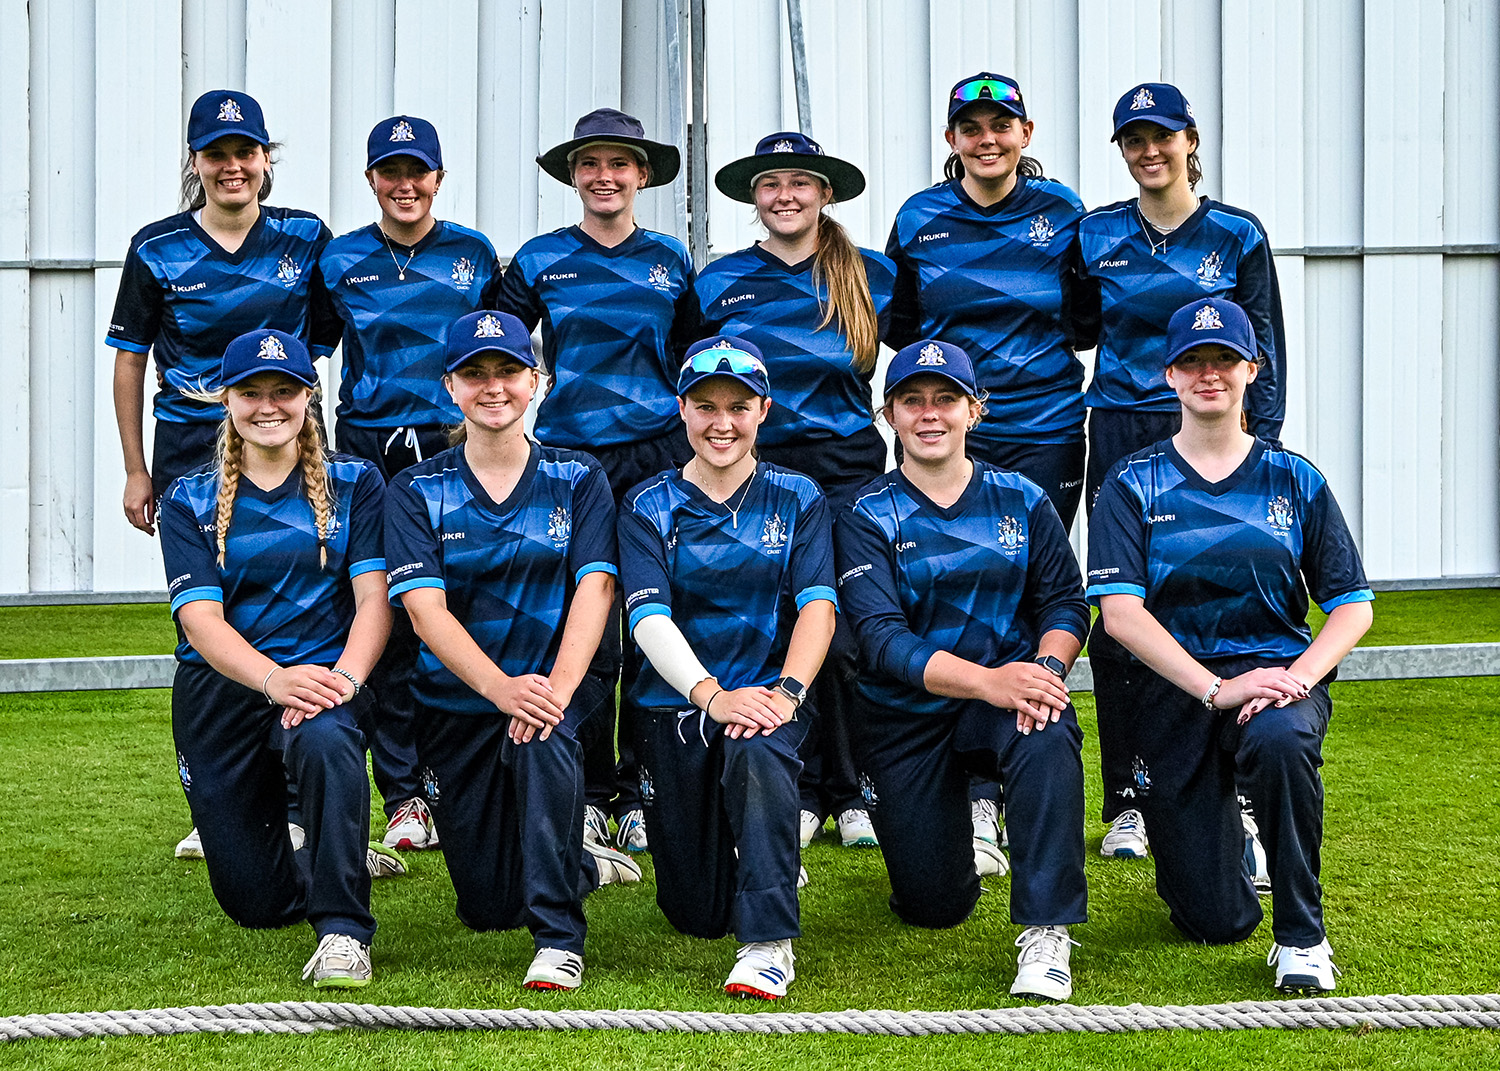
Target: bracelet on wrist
358, 685
1213, 690
711, 701
265, 682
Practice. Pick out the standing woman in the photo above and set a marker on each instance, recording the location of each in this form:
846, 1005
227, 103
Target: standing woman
728, 573
983, 262
967, 602
503, 553
817, 306
278, 586
1203, 550
616, 309
396, 285
1139, 261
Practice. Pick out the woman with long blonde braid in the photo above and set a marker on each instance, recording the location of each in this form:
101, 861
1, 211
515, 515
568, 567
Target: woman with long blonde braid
278, 587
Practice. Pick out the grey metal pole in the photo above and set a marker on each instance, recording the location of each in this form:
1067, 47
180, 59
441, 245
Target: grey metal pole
799, 66
698, 143
671, 15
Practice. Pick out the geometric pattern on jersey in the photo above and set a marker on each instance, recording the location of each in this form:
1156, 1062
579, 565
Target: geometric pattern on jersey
757, 296
612, 332
733, 590
1218, 251
1225, 567
508, 569
185, 298
275, 592
394, 329
993, 282
983, 579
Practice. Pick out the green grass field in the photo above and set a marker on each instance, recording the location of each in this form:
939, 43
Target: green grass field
95, 914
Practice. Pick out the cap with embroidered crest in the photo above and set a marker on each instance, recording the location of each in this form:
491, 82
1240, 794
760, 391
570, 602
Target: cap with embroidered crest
267, 350
1156, 102
932, 357
221, 112
404, 135
724, 355
788, 150
486, 331
1210, 321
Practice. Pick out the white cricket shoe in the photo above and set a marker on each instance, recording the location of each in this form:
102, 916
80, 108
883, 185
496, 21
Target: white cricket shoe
190, 846
989, 860
856, 830
632, 832
985, 814
762, 969
1255, 856
595, 825
1303, 970
555, 968
615, 868
1042, 967
809, 825
340, 962
410, 828
382, 862
297, 835
1126, 838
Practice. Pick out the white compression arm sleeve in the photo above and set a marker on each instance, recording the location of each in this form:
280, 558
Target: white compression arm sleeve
667, 648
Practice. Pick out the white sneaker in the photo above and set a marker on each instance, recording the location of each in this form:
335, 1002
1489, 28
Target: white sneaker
1301, 970
190, 846
410, 828
381, 862
856, 830
1042, 966
340, 962
632, 833
555, 968
762, 969
802, 877
595, 825
1255, 856
615, 868
985, 814
297, 835
1126, 838
989, 859
809, 826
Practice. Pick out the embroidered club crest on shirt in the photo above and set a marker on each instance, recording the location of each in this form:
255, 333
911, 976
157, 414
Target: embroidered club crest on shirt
287, 269
659, 278
1209, 270
1011, 535
402, 132
1042, 231
931, 355
271, 349
559, 527
488, 327
229, 111
773, 534
1279, 513
1207, 319
463, 273
1142, 99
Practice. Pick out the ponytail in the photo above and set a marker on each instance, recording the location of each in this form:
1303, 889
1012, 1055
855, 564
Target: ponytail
840, 268
317, 483
228, 454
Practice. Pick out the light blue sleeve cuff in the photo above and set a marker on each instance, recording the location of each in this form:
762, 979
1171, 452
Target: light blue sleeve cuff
1362, 595
813, 594
129, 347
641, 612
369, 565
597, 567
197, 595
1095, 591
419, 582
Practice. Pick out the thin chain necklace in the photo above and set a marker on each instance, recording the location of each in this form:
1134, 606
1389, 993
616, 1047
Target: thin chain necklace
1157, 248
400, 268
734, 511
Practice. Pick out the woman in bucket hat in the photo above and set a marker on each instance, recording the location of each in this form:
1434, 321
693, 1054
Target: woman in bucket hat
817, 306
614, 301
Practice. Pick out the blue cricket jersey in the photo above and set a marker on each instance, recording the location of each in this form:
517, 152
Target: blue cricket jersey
983, 579
395, 329
1225, 567
274, 590
758, 296
184, 298
996, 281
508, 569
615, 323
1131, 283
734, 590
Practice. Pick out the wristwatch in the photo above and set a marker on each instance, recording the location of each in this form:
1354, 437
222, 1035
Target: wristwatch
793, 689
1054, 664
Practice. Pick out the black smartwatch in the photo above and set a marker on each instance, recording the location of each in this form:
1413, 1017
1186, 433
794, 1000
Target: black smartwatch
793, 689
1054, 664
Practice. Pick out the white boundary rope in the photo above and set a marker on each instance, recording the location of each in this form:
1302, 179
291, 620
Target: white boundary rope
307, 1017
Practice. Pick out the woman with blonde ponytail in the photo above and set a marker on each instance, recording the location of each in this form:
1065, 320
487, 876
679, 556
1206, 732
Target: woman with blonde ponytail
277, 582
817, 306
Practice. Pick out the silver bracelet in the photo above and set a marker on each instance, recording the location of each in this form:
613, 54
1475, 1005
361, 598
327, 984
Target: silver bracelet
1213, 690
266, 682
358, 687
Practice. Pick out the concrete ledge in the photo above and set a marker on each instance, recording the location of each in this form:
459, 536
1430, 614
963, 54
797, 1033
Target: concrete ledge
81, 598
86, 674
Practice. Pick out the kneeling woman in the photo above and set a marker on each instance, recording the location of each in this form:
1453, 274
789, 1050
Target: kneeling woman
969, 610
503, 553
278, 586
728, 574
1203, 550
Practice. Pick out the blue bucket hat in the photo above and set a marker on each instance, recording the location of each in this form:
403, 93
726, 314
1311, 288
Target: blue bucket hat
221, 112
267, 350
788, 150
1157, 102
931, 357
404, 135
1211, 320
611, 127
487, 332
724, 355
986, 88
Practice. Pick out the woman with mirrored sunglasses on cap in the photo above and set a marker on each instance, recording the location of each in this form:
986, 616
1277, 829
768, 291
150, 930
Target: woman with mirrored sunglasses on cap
817, 306
1203, 551
727, 565
1138, 262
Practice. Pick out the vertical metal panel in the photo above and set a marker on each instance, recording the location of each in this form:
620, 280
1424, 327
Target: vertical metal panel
60, 412
61, 215
288, 44
213, 49
15, 430
509, 101
1119, 45
1334, 379
1333, 119
1291, 273
839, 75
15, 177
743, 47
1261, 169
1471, 117
450, 29
964, 38
1471, 422
363, 76
644, 93
1048, 72
901, 135
1403, 142
1191, 34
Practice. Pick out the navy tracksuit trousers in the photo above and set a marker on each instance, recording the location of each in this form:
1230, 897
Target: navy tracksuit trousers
234, 759
919, 767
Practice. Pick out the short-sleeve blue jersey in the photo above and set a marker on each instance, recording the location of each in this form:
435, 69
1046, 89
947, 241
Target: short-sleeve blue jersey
394, 328
275, 592
983, 579
733, 586
994, 281
757, 296
508, 569
186, 297
615, 322
1135, 281
1225, 567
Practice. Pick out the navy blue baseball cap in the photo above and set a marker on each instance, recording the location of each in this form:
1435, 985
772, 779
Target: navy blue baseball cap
608, 126
404, 135
931, 357
724, 355
986, 88
267, 350
488, 332
1158, 102
221, 112
1211, 320
788, 150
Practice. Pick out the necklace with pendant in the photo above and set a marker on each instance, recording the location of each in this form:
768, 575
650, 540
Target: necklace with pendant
400, 268
734, 511
1157, 248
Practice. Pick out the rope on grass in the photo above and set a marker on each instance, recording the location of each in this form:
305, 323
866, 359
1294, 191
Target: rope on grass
307, 1017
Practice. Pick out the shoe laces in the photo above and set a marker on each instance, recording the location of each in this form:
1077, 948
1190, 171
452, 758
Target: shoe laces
1320, 953
337, 946
1127, 822
855, 816
413, 809
985, 811
1048, 943
1248, 821
777, 954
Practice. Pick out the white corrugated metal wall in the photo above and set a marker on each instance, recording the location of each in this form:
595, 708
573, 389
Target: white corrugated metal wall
1362, 132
